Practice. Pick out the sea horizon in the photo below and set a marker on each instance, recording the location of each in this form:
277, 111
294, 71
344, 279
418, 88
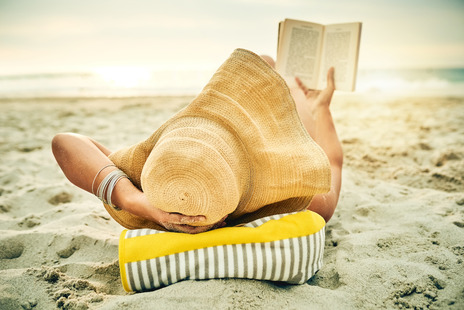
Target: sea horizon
136, 82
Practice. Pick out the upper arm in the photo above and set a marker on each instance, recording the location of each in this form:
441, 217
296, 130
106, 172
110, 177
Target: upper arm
102, 148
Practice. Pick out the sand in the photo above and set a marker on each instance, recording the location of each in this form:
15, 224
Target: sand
396, 239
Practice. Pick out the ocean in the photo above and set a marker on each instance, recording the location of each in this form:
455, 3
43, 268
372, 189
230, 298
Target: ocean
133, 82
420, 82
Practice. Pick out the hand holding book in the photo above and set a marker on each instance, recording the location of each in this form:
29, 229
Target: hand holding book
307, 50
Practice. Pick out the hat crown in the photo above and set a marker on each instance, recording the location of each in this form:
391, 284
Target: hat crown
197, 167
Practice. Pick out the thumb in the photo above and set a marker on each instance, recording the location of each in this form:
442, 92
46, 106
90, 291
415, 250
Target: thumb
330, 78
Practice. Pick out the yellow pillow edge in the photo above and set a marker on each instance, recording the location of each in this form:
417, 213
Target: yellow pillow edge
123, 261
290, 226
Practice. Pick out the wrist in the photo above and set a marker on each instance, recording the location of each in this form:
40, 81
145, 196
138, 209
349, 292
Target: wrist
130, 199
125, 195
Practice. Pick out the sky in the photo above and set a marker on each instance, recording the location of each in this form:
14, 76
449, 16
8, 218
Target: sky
64, 36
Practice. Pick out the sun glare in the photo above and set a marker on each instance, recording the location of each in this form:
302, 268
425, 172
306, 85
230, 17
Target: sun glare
126, 77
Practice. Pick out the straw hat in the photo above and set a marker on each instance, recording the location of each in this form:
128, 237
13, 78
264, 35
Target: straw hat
238, 149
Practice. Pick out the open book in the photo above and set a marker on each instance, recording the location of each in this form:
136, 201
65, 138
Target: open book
307, 50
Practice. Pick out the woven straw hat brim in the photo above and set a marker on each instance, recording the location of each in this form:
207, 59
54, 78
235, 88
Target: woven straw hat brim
278, 168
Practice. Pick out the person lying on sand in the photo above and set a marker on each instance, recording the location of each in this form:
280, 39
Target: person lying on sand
239, 151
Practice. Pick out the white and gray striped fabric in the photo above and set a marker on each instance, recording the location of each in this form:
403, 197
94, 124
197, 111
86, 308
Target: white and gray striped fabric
293, 260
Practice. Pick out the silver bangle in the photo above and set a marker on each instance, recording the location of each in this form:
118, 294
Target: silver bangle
106, 187
95, 178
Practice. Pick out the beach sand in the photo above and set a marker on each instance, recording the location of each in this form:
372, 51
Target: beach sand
396, 239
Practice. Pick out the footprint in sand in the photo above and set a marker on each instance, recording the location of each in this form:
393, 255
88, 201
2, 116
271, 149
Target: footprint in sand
63, 197
28, 147
327, 278
29, 221
4, 208
364, 210
69, 292
11, 248
69, 250
458, 250
444, 157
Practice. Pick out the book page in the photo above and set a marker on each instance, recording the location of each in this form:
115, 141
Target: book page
299, 49
340, 50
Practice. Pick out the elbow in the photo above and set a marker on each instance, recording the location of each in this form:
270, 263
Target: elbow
58, 141
59, 145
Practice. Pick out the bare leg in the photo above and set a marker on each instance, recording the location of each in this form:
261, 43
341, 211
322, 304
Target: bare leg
313, 109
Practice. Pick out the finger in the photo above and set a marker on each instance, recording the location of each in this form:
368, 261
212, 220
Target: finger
177, 218
301, 85
331, 78
221, 223
185, 219
186, 228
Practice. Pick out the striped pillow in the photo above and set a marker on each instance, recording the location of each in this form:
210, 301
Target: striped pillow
286, 247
